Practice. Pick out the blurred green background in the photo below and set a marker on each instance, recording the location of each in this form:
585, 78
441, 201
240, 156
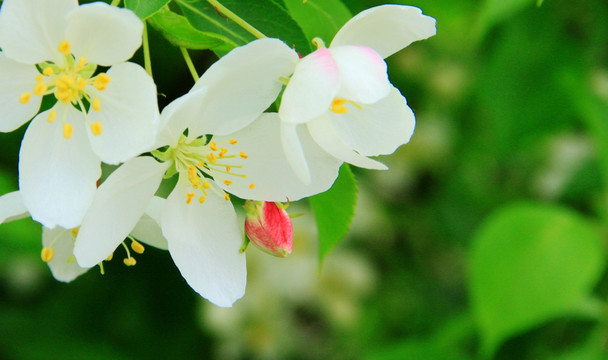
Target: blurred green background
485, 239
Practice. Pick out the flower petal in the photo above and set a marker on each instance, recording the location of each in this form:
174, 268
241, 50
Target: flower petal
11, 207
103, 34
376, 129
323, 132
148, 228
16, 79
119, 203
266, 165
245, 82
363, 75
204, 241
294, 153
63, 265
311, 89
129, 114
386, 28
57, 176
178, 115
31, 30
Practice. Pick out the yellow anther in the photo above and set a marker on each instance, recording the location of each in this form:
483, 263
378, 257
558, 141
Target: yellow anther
40, 88
232, 141
81, 83
213, 145
137, 247
96, 104
47, 254
251, 186
206, 184
110, 257
226, 196
96, 128
48, 71
223, 152
201, 164
82, 62
68, 129
101, 81
189, 197
74, 232
63, 95
228, 168
25, 97
38, 78
130, 261
227, 182
212, 158
65, 81
64, 47
243, 155
201, 199
337, 106
52, 116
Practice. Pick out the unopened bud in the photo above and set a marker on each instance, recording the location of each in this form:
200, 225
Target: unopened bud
269, 227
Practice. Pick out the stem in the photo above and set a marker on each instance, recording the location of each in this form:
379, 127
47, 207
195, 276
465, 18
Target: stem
146, 45
189, 63
234, 17
115, 3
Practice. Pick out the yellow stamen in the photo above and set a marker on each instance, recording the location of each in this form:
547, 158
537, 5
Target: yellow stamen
223, 152
110, 257
201, 199
48, 71
101, 81
206, 185
189, 197
251, 186
201, 164
47, 254
243, 155
82, 62
232, 141
25, 97
64, 47
38, 78
137, 247
337, 106
96, 128
226, 196
52, 116
212, 158
227, 182
130, 261
68, 129
40, 88
96, 104
81, 83
74, 232
213, 145
228, 168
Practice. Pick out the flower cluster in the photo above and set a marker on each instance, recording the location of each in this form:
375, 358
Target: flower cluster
336, 106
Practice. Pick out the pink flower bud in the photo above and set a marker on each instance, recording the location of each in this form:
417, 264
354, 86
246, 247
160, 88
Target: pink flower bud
269, 227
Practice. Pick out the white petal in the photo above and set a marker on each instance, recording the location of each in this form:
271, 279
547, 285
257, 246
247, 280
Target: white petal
324, 134
386, 28
103, 34
31, 30
293, 151
376, 129
311, 89
129, 114
119, 203
16, 79
266, 165
178, 115
363, 76
12, 207
204, 242
57, 176
148, 228
63, 265
245, 82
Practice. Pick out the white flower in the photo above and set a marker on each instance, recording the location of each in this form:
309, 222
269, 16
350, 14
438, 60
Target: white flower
54, 48
342, 93
243, 157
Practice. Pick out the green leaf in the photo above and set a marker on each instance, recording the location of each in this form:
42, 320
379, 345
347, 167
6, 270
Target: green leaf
334, 210
264, 15
496, 11
178, 31
531, 263
145, 8
319, 18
